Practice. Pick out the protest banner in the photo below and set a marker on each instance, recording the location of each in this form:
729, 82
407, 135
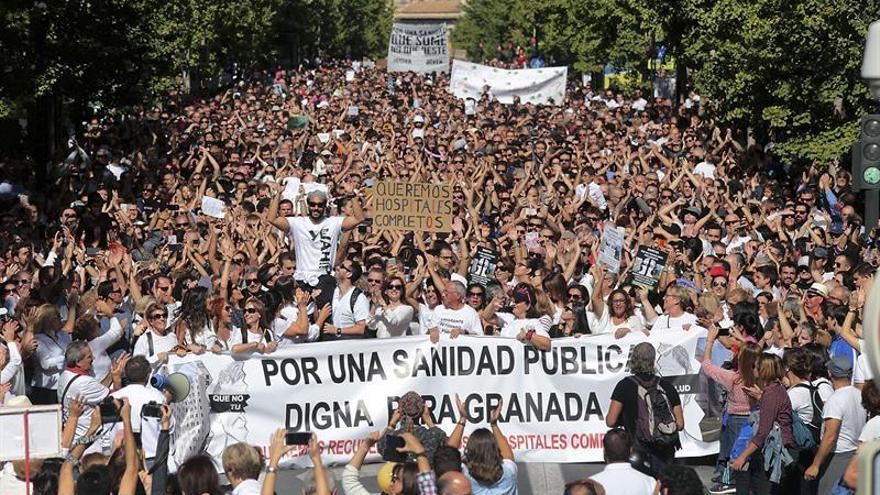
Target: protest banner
411, 206
611, 248
537, 86
418, 48
554, 402
647, 267
483, 263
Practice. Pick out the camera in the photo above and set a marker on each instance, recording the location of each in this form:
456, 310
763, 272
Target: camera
151, 410
109, 411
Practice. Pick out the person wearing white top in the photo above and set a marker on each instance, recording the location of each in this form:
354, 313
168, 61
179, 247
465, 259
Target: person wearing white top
316, 236
89, 329
862, 371
392, 316
157, 341
349, 318
616, 315
77, 382
254, 337
49, 362
528, 326
618, 475
454, 317
674, 314
139, 392
844, 419
292, 324
242, 464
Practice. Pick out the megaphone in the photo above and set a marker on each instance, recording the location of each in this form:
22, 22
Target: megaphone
176, 383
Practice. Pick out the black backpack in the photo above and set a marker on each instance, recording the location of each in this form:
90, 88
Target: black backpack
655, 423
818, 404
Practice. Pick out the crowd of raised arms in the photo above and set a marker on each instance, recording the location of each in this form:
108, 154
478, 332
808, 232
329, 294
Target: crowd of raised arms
124, 256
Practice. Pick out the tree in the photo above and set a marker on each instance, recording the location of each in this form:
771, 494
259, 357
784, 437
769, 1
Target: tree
788, 70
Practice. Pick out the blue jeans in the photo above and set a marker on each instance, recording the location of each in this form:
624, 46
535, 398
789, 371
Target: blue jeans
729, 434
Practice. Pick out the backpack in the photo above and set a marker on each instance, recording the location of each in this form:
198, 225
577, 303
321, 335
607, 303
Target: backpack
655, 423
815, 425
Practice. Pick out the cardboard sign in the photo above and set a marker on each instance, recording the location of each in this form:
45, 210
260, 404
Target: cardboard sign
483, 264
648, 266
409, 206
612, 248
418, 48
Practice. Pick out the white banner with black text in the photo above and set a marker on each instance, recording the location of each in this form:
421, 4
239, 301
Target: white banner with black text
418, 48
554, 402
537, 86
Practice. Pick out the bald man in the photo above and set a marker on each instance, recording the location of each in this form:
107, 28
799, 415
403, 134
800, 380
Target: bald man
454, 483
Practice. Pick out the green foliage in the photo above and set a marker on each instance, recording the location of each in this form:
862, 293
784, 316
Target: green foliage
787, 70
790, 70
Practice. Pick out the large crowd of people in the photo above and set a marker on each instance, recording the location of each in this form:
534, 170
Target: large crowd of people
242, 222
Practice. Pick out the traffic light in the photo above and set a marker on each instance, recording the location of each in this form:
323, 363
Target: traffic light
866, 154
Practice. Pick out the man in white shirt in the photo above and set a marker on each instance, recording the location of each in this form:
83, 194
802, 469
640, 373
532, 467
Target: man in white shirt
349, 318
315, 237
844, 419
674, 315
618, 475
76, 381
454, 317
139, 392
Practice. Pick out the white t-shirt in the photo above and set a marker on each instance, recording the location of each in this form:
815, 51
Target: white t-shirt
665, 322
465, 318
845, 404
541, 326
801, 403
138, 395
342, 314
620, 477
392, 323
87, 388
161, 343
287, 317
862, 371
315, 245
871, 431
49, 360
825, 388
605, 324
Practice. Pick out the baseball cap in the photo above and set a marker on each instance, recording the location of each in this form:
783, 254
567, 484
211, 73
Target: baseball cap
839, 367
419, 119
820, 252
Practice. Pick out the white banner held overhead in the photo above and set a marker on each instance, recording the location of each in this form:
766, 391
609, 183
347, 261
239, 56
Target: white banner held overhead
537, 86
554, 410
418, 48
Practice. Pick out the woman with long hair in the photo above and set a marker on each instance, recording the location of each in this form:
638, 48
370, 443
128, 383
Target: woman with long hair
488, 458
528, 326
617, 314
255, 335
775, 410
392, 315
221, 320
53, 337
191, 323
735, 382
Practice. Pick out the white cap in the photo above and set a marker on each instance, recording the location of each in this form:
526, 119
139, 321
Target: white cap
419, 118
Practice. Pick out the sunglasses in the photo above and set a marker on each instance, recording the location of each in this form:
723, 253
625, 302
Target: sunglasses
395, 287
575, 296
475, 294
159, 316
253, 280
251, 311
316, 205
